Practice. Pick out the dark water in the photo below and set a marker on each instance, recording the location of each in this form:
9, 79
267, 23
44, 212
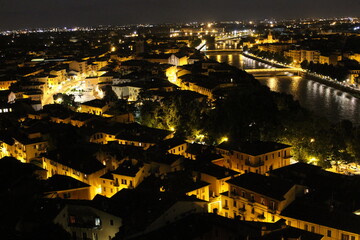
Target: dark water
323, 100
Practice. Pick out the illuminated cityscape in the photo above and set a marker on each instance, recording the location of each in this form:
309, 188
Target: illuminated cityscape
202, 130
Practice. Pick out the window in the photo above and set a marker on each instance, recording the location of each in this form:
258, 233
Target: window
252, 197
97, 221
111, 222
352, 237
262, 201
328, 233
306, 227
312, 228
344, 237
123, 181
243, 194
289, 223
104, 189
272, 205
234, 203
72, 219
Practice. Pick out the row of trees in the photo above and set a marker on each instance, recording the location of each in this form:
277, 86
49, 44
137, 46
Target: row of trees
253, 112
279, 57
339, 73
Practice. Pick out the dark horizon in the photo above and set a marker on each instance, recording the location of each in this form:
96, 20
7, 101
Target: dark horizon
18, 14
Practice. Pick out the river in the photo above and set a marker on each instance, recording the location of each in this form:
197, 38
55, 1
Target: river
321, 99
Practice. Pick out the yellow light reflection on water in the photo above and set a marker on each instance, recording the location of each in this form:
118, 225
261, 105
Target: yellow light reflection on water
230, 61
273, 83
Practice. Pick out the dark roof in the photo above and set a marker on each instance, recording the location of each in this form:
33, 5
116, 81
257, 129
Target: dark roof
211, 169
291, 233
81, 157
95, 103
323, 215
108, 176
61, 183
132, 204
203, 226
171, 143
323, 185
81, 116
13, 172
199, 149
268, 186
253, 148
180, 182
166, 158
128, 168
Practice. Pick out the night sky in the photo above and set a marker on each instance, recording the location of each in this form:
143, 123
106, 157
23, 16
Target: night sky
19, 14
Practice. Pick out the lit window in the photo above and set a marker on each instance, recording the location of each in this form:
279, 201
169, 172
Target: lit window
97, 221
72, 219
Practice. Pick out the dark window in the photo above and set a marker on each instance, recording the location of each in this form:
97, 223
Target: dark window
328, 233
111, 222
84, 236
306, 227
312, 228
344, 237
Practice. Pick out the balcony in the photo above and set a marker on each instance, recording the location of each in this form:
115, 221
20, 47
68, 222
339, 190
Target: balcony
254, 164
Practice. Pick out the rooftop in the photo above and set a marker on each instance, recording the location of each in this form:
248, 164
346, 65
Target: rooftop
268, 186
253, 148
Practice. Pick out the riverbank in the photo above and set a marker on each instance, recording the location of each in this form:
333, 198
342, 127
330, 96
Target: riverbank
313, 76
332, 83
